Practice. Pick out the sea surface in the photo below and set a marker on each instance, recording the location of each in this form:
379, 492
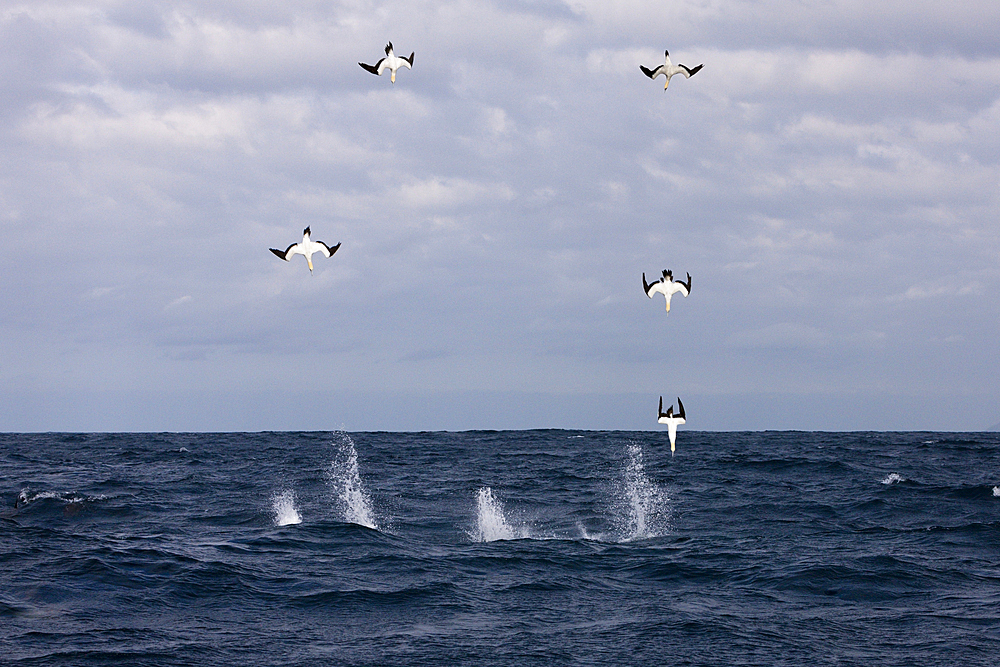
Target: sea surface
518, 548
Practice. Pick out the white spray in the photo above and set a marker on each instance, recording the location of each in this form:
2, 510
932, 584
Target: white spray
354, 502
643, 508
283, 506
491, 525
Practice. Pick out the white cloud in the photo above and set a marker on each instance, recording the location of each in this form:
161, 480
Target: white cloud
447, 193
498, 203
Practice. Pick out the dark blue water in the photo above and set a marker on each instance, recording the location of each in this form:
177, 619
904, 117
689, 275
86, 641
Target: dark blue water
500, 548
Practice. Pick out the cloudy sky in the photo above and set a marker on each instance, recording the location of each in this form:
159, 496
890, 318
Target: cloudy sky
830, 179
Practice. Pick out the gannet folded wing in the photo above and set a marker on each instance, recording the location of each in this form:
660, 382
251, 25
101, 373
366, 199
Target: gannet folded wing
671, 420
375, 69
283, 254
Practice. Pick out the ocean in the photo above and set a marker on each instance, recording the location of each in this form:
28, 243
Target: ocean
545, 547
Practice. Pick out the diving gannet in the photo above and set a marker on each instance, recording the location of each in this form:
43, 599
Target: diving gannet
391, 61
307, 247
666, 286
671, 421
668, 70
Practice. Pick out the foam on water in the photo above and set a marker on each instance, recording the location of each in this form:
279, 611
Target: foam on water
283, 505
354, 502
893, 478
642, 510
996, 491
491, 525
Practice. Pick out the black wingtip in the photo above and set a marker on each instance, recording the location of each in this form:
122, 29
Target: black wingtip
645, 285
659, 412
681, 407
279, 253
648, 72
692, 72
410, 60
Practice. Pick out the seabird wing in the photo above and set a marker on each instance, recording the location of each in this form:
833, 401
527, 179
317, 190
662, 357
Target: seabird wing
652, 73
681, 414
374, 69
327, 250
688, 72
646, 287
409, 61
289, 251
688, 286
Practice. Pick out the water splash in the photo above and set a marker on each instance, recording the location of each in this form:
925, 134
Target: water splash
893, 478
491, 525
354, 502
283, 505
642, 508
996, 491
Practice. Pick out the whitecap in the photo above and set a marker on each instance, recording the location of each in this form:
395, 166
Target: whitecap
893, 478
996, 491
283, 506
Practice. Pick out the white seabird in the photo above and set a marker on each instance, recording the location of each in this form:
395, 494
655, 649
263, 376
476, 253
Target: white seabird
671, 420
666, 286
392, 61
668, 70
306, 247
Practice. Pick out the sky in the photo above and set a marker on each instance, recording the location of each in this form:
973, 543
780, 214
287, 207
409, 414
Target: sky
830, 179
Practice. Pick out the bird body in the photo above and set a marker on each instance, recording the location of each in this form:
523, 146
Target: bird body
671, 420
391, 61
666, 286
306, 248
668, 70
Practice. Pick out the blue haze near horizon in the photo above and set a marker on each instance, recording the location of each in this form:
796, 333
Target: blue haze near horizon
831, 180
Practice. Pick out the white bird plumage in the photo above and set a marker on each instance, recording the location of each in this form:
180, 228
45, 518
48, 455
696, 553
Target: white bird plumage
668, 70
306, 248
666, 286
671, 420
391, 61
